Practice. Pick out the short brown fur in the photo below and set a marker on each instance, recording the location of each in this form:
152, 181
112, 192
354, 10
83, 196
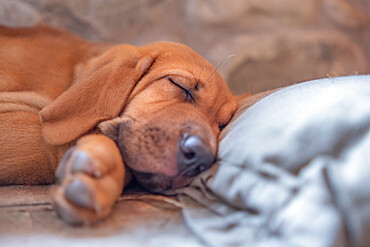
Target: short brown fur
71, 108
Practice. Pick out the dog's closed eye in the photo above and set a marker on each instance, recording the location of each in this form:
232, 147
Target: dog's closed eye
188, 94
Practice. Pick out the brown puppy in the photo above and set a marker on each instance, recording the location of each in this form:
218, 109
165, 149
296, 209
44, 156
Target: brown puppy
80, 110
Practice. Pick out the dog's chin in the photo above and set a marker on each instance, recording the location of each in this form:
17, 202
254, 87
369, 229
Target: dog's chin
159, 183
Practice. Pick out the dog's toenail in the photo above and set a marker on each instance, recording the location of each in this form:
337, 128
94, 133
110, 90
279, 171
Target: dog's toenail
79, 194
83, 163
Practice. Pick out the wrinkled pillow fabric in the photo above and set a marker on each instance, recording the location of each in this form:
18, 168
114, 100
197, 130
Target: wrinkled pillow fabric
293, 170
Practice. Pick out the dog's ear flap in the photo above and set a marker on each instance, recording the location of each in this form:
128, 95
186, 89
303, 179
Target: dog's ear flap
99, 93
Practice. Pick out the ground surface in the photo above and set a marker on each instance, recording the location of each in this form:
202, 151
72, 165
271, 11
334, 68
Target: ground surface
138, 219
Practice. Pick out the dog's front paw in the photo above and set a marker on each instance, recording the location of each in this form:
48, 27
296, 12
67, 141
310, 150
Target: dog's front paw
89, 180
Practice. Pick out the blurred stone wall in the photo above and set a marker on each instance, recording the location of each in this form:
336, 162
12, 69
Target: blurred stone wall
275, 42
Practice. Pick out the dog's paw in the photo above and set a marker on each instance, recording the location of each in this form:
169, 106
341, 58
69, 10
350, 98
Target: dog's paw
89, 180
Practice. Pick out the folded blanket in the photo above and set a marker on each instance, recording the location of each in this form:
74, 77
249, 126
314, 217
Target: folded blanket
293, 170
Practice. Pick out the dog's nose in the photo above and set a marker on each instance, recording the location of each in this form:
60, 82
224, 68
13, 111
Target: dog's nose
194, 155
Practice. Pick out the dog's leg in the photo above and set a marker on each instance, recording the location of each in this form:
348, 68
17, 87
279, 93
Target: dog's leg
24, 157
90, 178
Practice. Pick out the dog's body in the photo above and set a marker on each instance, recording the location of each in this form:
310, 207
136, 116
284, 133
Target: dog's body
78, 110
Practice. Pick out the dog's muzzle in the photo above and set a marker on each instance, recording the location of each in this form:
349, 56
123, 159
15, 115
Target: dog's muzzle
194, 155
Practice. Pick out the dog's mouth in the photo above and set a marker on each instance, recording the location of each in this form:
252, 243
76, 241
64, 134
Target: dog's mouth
159, 183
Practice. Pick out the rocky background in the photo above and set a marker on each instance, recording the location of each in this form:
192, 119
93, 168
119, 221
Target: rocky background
275, 42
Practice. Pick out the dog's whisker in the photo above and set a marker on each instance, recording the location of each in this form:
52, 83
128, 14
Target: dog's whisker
219, 65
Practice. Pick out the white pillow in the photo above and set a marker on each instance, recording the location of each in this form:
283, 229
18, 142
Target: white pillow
294, 168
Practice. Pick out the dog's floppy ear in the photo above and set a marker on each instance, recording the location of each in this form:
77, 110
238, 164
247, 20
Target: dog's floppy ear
99, 93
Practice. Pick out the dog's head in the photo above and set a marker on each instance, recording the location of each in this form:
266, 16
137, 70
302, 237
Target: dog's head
163, 104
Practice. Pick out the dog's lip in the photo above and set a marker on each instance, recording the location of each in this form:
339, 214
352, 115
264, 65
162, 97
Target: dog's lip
176, 182
181, 181
170, 172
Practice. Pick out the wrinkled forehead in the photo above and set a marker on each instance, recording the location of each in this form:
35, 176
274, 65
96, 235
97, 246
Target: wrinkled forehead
183, 60
175, 59
173, 50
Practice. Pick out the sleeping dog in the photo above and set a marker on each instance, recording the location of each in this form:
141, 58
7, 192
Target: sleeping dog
90, 116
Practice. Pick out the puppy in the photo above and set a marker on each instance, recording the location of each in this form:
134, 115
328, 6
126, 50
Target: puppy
90, 116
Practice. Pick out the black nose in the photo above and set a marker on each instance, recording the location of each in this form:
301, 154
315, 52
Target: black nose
194, 155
